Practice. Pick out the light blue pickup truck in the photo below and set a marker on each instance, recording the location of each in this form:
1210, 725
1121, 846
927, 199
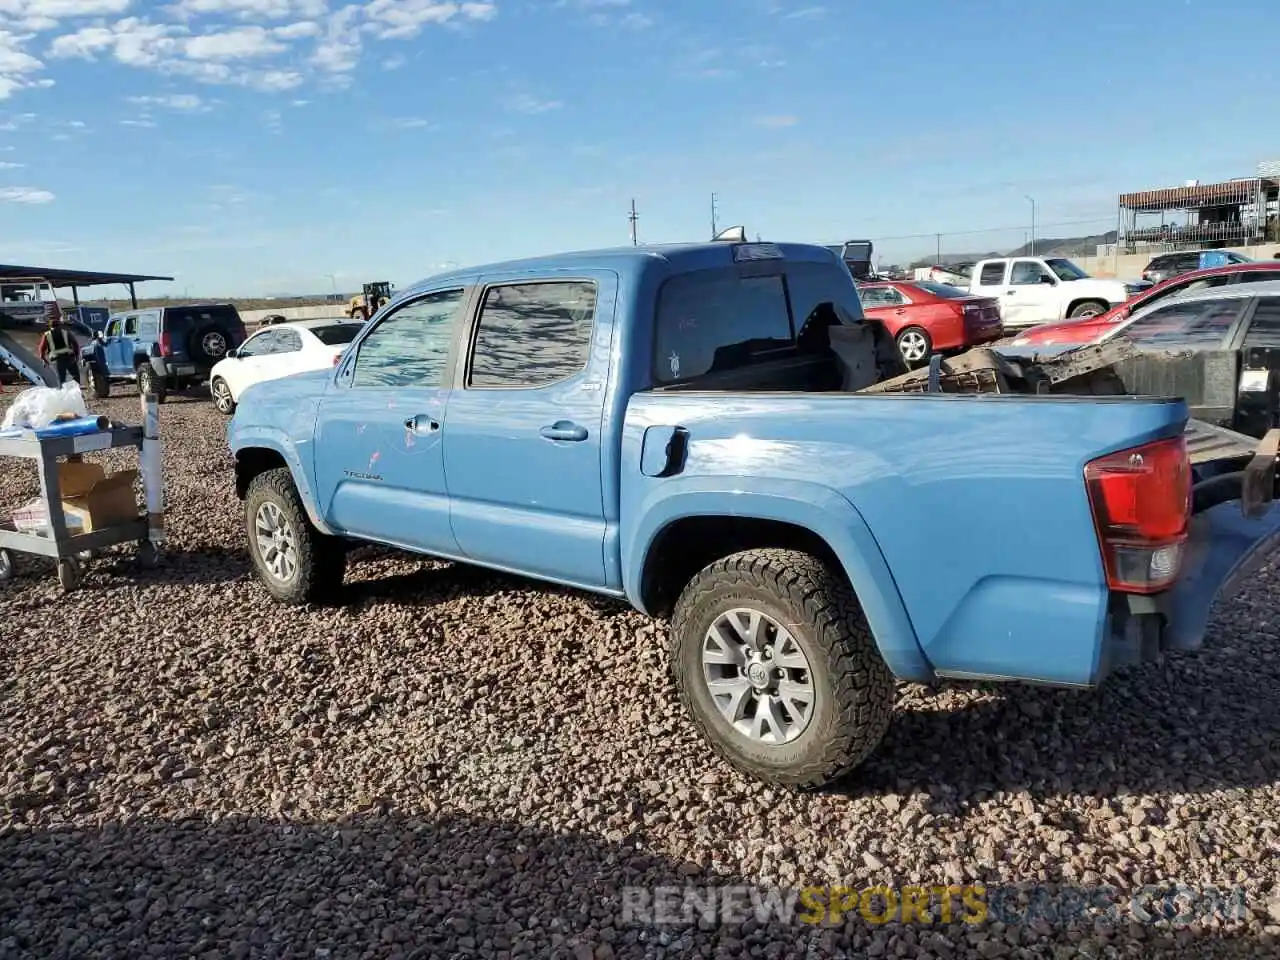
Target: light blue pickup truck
682, 427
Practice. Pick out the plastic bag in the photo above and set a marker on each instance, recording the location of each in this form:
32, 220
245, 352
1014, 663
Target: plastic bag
40, 406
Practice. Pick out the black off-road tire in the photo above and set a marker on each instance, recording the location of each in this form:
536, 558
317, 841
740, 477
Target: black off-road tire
148, 382
95, 380
854, 689
322, 560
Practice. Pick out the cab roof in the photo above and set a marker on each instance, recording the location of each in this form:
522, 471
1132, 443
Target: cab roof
680, 256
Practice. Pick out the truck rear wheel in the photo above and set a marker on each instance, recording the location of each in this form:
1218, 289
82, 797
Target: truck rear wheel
295, 562
1089, 308
772, 656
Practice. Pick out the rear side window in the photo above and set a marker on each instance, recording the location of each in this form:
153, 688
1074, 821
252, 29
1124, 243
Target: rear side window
992, 274
717, 319
148, 327
410, 346
1264, 328
1201, 323
533, 334
336, 334
1257, 276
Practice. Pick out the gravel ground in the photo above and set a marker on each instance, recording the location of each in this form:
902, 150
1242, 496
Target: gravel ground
460, 764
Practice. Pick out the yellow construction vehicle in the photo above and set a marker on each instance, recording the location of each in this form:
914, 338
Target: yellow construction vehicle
365, 305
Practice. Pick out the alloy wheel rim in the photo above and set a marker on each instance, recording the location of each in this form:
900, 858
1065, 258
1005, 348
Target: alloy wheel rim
912, 346
277, 544
222, 396
758, 677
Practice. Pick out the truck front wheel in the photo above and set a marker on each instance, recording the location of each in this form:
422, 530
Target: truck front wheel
295, 562
773, 658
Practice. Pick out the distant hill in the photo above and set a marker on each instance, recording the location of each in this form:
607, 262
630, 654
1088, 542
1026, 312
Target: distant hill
1045, 247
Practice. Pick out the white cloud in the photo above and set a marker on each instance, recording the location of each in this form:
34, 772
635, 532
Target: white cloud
403, 19
249, 9
10, 165
25, 195
410, 123
185, 102
266, 45
132, 41
296, 31
525, 103
339, 51
777, 122
242, 43
16, 65
77, 124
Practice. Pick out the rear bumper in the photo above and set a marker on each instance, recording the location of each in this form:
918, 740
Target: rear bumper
168, 368
1225, 548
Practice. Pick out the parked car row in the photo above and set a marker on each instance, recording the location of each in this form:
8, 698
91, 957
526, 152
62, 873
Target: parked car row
164, 350
1089, 329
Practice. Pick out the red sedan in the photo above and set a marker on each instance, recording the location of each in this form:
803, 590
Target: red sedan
926, 317
1078, 332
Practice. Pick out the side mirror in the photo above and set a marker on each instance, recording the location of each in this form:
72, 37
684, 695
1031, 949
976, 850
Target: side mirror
1045, 278
233, 352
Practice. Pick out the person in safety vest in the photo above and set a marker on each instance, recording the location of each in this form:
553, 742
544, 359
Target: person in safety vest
58, 349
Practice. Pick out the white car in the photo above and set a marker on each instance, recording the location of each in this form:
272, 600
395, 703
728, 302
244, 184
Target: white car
278, 351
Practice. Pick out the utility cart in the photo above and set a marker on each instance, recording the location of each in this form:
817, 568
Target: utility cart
57, 539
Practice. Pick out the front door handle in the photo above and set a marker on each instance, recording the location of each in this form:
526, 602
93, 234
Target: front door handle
1010, 293
421, 424
564, 430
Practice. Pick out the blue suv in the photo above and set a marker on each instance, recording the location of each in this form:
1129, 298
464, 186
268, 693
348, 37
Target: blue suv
161, 349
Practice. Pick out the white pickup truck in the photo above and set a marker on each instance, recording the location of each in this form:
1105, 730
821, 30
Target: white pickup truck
1035, 290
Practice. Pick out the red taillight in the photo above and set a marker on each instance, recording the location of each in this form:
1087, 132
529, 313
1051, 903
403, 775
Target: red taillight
165, 345
1141, 500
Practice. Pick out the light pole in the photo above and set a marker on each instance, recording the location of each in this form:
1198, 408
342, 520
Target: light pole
1032, 201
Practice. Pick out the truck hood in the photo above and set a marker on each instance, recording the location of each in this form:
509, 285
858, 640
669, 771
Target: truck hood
1113, 291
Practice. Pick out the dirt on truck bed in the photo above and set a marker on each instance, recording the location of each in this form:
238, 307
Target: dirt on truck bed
1088, 371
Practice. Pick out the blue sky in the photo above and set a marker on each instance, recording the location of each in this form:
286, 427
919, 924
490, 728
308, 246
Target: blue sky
260, 146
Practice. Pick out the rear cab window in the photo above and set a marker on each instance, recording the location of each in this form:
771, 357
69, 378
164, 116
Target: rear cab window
710, 321
336, 334
992, 274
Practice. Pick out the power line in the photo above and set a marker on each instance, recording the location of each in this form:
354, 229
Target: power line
1021, 226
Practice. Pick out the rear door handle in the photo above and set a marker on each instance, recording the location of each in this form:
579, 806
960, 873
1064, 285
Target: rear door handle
421, 424
564, 430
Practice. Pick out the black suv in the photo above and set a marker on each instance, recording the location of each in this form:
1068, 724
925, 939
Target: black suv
1168, 265
162, 349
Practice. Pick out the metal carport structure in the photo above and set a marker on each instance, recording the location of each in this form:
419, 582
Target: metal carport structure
75, 279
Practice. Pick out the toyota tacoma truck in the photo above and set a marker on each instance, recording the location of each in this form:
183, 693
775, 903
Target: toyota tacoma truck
689, 428
1035, 290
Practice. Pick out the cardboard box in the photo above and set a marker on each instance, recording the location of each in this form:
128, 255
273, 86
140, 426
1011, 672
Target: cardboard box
93, 500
